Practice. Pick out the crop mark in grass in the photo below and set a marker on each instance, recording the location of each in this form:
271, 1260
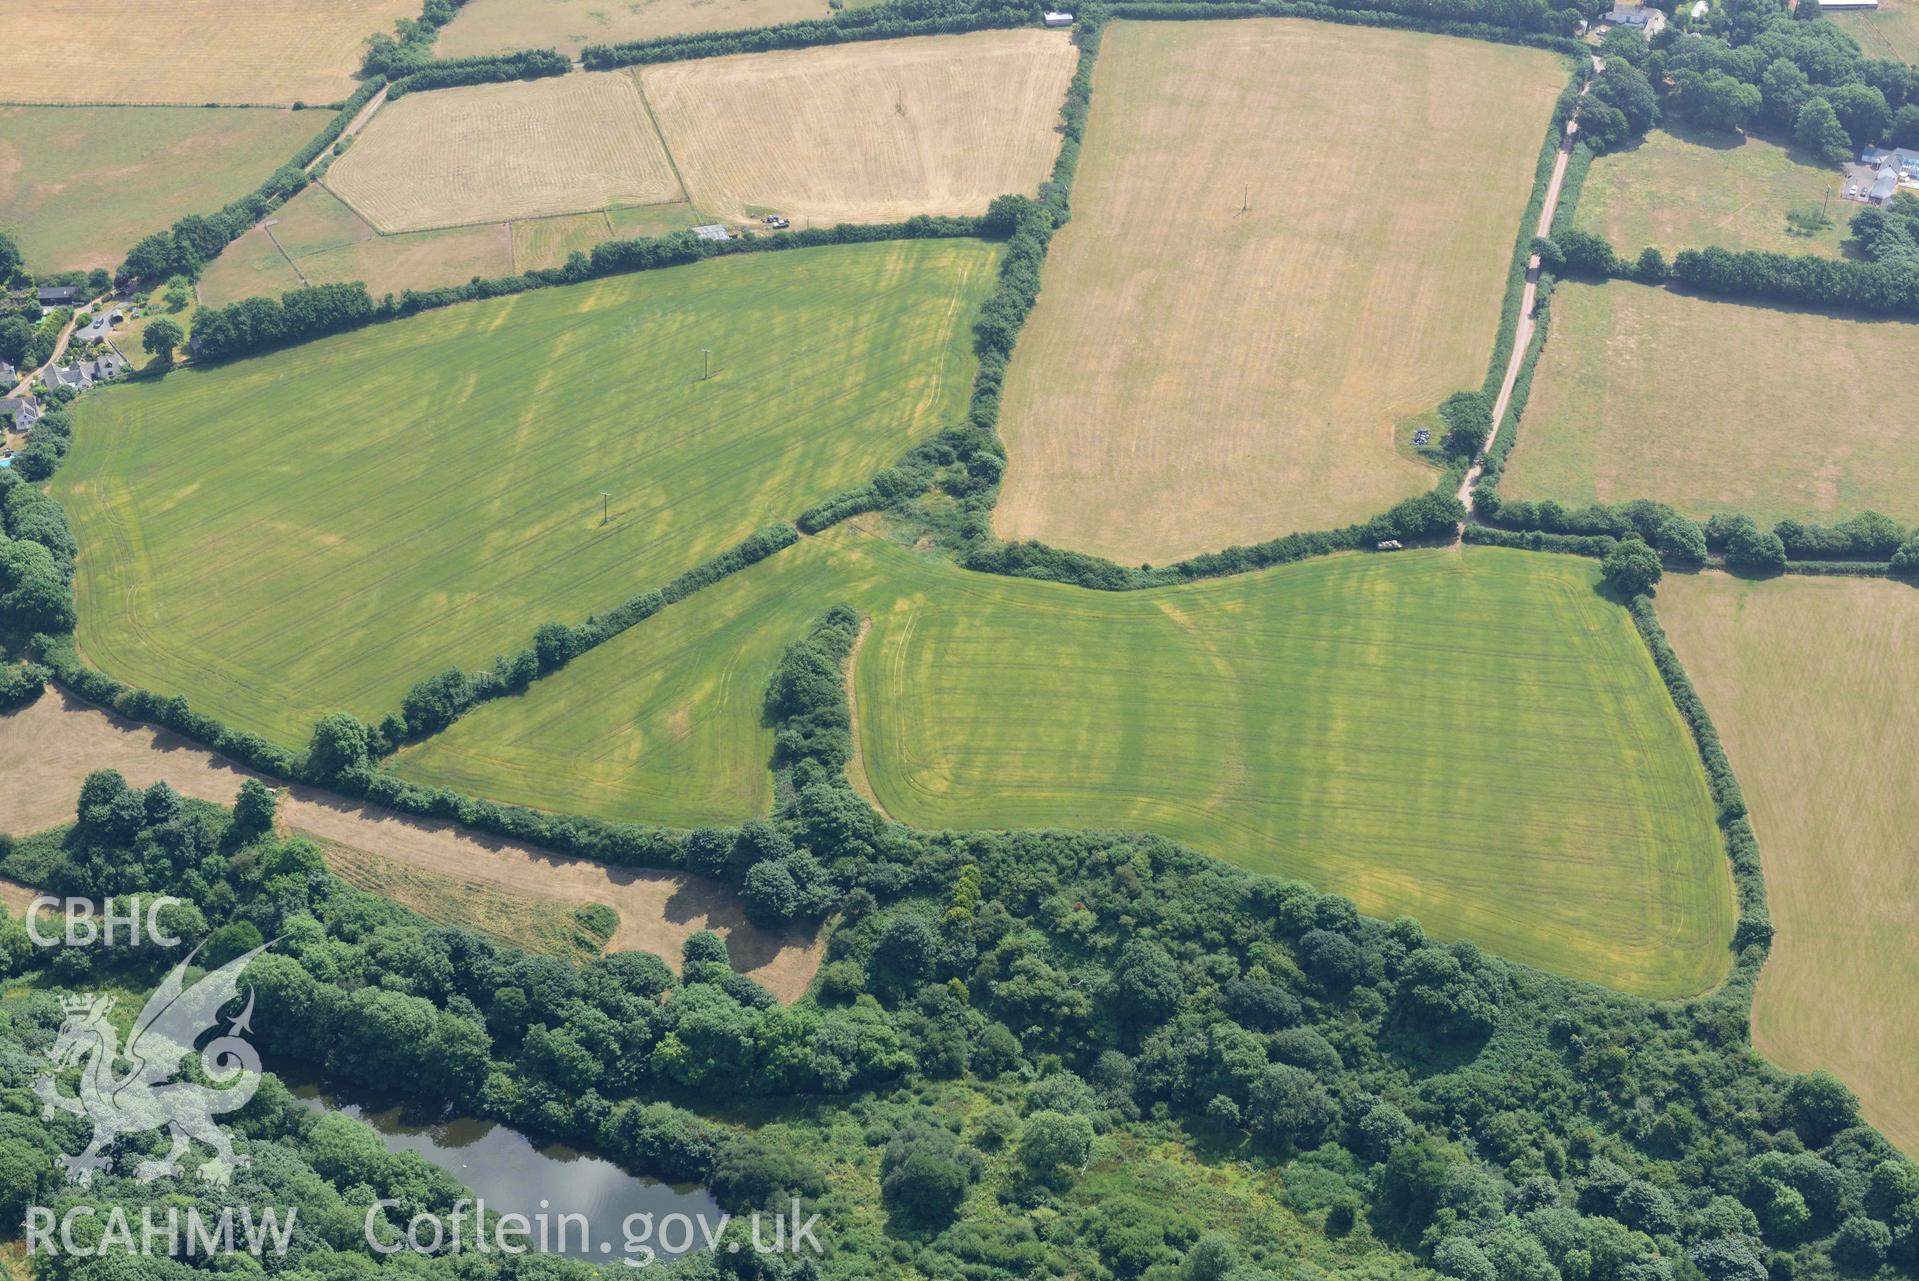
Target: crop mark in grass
421, 539
1316, 721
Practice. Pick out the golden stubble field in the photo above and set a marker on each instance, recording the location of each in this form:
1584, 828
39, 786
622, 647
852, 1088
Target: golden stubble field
1287, 237
1812, 682
188, 52
866, 132
501, 26
490, 153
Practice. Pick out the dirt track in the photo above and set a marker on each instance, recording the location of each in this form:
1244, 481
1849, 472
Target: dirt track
53, 745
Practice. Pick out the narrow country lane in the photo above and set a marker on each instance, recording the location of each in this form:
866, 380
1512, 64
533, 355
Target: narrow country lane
1527, 324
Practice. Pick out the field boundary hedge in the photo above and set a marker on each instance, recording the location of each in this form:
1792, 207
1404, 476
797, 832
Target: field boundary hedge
1354, 15
443, 698
1433, 516
1807, 548
850, 26
1752, 934
189, 241
254, 326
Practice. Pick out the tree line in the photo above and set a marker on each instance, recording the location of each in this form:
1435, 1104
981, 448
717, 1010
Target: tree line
1432, 1106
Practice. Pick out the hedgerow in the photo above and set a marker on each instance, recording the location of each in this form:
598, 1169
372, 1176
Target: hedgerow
257, 325
876, 22
197, 239
437, 701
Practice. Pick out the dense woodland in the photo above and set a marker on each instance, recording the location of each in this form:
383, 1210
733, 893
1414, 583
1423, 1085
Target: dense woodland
1000, 1021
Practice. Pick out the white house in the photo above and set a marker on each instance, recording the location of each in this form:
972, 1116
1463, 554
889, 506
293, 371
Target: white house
1055, 19
1640, 16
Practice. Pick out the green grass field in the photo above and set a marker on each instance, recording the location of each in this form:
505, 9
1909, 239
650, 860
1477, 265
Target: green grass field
1716, 406
1680, 191
316, 529
1812, 683
1475, 739
79, 185
1890, 31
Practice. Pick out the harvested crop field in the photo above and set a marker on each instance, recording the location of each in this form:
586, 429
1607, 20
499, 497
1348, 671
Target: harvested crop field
1243, 305
490, 153
1350, 721
1812, 682
866, 132
55, 743
503, 26
79, 185
316, 529
1675, 191
187, 52
1717, 406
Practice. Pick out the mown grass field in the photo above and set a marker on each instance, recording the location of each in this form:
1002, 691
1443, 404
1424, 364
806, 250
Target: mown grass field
316, 529
187, 52
1361, 722
1717, 406
1237, 315
1890, 31
79, 185
1675, 191
866, 132
490, 153
1812, 684
500, 26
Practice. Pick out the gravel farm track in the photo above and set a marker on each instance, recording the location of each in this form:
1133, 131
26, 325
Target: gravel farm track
58, 740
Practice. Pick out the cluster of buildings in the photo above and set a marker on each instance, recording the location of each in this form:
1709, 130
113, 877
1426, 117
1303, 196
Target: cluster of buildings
1890, 169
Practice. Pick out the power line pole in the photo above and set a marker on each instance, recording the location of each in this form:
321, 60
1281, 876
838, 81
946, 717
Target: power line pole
706, 363
606, 513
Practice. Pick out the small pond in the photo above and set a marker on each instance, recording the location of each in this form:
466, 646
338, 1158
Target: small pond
515, 1174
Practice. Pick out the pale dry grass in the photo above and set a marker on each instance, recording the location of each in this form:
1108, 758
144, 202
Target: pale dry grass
1717, 406
1812, 682
866, 132
1196, 375
188, 52
500, 26
53, 745
329, 243
488, 153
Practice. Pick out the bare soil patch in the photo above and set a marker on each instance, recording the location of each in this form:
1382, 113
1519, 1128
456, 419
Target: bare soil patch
54, 744
1262, 276
866, 132
489, 153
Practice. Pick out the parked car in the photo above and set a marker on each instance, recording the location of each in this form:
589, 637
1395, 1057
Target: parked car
776, 222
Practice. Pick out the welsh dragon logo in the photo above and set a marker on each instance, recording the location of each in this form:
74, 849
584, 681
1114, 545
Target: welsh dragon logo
146, 1097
